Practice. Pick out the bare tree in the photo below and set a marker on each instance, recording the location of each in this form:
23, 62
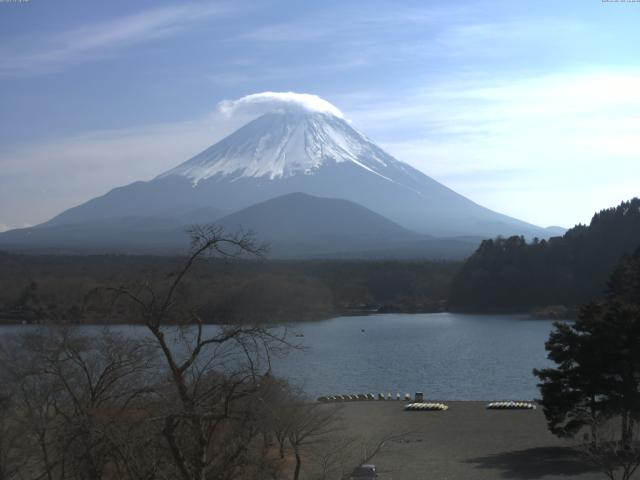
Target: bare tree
334, 458
214, 370
337, 456
615, 457
71, 393
184, 401
10, 460
310, 424
277, 401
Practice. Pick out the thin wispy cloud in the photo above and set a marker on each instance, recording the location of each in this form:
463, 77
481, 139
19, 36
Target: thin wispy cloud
352, 22
341, 65
289, 32
403, 38
57, 50
565, 133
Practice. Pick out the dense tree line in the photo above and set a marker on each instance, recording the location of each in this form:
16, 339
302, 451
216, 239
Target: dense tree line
45, 288
511, 274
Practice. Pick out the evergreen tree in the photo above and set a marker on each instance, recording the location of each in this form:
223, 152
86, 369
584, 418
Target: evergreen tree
597, 373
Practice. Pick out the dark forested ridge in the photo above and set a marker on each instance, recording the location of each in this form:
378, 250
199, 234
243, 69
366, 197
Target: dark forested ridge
503, 275
510, 274
53, 288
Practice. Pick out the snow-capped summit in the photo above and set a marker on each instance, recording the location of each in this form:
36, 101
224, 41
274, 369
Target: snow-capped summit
286, 143
292, 142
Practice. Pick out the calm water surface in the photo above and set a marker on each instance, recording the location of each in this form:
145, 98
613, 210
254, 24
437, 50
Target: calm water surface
447, 356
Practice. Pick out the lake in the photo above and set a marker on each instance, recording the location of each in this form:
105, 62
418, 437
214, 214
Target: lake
447, 356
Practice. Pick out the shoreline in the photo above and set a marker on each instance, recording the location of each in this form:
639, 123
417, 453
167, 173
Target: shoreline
403, 402
337, 314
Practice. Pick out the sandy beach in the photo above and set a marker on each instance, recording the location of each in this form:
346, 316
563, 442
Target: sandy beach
465, 442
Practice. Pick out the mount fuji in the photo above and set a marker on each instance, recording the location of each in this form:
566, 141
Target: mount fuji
295, 143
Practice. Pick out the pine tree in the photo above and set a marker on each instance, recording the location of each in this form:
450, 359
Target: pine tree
596, 380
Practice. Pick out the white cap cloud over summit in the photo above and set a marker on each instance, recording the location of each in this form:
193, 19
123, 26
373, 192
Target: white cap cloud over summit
266, 102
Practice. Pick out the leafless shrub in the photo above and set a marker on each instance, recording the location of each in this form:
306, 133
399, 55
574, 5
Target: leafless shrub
616, 458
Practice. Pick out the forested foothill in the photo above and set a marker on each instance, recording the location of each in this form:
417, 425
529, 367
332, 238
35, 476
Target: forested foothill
53, 289
513, 275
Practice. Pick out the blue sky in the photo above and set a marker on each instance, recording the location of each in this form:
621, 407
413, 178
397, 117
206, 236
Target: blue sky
531, 108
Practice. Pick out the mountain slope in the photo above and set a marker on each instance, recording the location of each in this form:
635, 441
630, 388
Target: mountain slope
300, 225
294, 225
312, 152
300, 216
301, 145
129, 234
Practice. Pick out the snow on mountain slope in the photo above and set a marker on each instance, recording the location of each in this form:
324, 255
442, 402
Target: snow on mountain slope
278, 145
300, 143
298, 134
